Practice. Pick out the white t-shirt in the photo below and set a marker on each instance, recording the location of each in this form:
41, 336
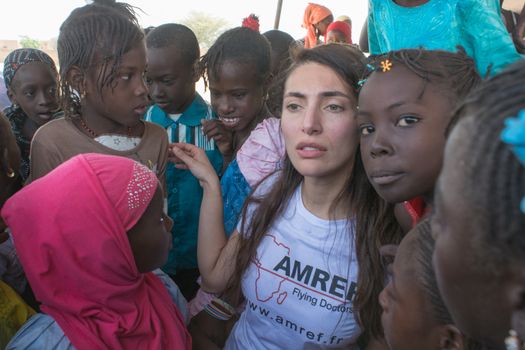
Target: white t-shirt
299, 289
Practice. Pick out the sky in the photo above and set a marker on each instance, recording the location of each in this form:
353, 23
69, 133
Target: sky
41, 19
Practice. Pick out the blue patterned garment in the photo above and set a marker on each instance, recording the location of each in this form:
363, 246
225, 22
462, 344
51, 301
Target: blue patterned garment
235, 190
444, 24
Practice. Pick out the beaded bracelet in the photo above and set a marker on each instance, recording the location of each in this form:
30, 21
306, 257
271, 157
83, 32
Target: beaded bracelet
219, 309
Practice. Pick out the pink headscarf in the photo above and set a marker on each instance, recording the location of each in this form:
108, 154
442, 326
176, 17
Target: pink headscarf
69, 230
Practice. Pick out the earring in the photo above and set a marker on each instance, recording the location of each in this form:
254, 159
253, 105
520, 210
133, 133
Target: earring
15, 106
10, 173
512, 341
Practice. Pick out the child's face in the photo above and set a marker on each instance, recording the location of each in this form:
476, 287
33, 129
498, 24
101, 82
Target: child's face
34, 89
335, 36
125, 100
171, 80
402, 122
406, 317
318, 122
150, 238
476, 293
236, 95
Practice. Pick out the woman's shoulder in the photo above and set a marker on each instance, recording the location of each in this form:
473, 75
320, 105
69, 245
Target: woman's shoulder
40, 332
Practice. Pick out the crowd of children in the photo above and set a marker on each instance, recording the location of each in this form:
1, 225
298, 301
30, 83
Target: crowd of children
321, 199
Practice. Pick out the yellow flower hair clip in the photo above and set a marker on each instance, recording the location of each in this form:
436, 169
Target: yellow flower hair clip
386, 65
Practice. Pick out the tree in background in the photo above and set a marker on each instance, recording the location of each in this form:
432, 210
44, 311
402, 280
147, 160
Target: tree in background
206, 28
27, 42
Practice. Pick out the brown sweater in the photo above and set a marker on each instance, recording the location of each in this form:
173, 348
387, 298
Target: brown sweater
60, 140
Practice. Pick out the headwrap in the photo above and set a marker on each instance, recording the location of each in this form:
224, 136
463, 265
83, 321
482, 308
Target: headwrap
313, 14
342, 27
70, 232
19, 57
252, 22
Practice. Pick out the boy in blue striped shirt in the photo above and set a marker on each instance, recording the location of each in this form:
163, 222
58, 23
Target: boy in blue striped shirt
173, 53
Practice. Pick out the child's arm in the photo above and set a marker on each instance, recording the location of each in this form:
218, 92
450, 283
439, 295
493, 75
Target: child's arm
215, 252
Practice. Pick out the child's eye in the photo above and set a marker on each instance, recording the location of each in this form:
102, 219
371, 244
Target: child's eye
29, 93
167, 81
407, 120
366, 129
125, 76
148, 81
239, 94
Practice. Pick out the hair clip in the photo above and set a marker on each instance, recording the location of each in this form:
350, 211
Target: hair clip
513, 134
370, 67
361, 82
386, 65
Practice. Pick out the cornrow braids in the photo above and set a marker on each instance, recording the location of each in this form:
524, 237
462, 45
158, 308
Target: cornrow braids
177, 35
424, 245
95, 36
500, 177
455, 72
240, 45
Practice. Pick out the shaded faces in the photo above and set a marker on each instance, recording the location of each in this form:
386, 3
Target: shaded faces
408, 317
480, 283
237, 95
402, 121
122, 101
318, 122
34, 90
150, 237
171, 79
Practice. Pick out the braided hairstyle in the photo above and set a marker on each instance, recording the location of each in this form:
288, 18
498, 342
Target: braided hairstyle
496, 194
455, 75
177, 35
95, 36
239, 45
424, 247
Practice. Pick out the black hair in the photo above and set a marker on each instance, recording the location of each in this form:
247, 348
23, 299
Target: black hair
499, 185
424, 248
282, 45
6, 137
454, 72
95, 35
456, 75
177, 35
242, 46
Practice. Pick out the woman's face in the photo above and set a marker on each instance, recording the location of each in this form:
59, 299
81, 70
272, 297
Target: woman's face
318, 122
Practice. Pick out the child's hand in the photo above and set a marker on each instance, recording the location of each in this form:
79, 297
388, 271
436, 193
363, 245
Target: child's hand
223, 137
194, 159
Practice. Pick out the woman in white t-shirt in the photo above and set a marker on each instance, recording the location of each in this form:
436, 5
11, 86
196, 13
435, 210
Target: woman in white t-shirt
292, 258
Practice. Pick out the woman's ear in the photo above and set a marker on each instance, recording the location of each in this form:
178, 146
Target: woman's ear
450, 338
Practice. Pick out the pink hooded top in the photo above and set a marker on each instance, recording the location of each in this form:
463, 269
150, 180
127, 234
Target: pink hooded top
70, 232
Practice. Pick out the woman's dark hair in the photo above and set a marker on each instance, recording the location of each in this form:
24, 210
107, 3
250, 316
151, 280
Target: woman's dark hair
424, 248
455, 74
499, 185
240, 45
348, 64
95, 36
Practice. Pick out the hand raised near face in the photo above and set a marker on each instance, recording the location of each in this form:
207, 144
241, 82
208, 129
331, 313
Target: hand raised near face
194, 159
215, 130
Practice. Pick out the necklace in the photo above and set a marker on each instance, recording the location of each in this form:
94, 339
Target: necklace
92, 133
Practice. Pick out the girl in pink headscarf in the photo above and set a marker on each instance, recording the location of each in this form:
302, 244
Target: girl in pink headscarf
316, 20
88, 234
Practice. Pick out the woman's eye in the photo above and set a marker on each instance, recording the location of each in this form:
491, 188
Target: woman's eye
366, 129
334, 108
293, 107
407, 120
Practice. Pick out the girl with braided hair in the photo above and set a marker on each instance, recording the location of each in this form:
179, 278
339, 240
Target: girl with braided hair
479, 219
102, 60
402, 141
